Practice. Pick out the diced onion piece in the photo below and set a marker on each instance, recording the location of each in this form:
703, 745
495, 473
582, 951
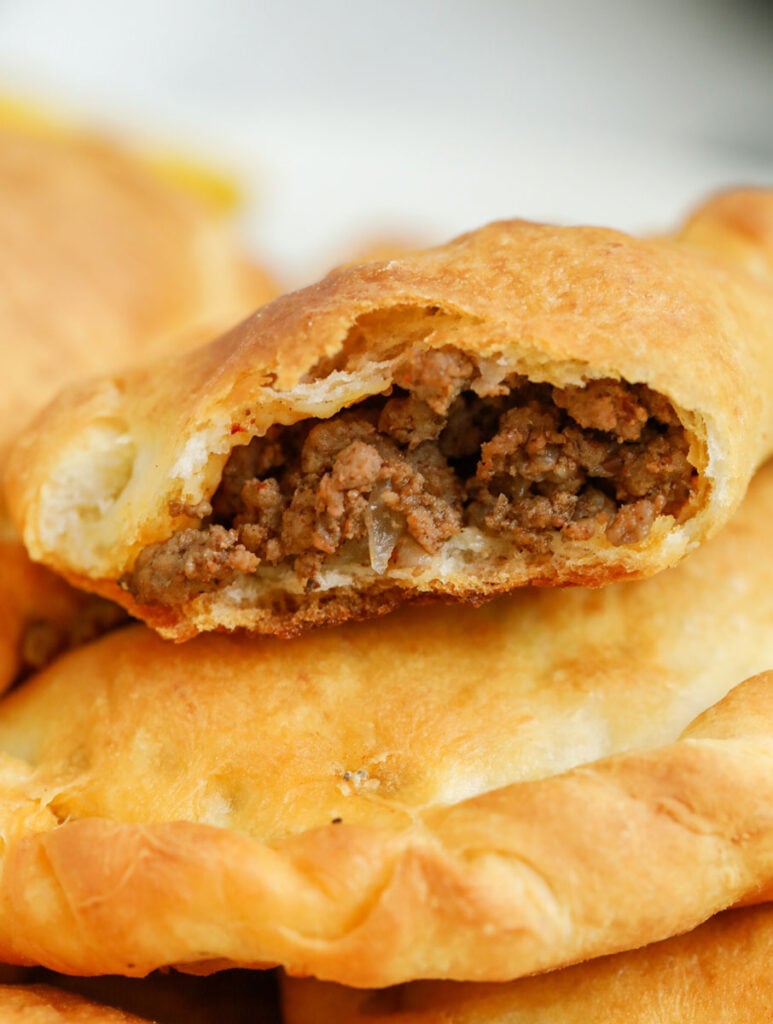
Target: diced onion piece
384, 529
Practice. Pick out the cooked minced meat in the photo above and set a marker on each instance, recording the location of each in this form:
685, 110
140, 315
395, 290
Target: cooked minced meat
191, 562
416, 466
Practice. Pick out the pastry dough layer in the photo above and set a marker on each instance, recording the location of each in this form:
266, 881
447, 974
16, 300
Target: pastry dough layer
128, 462
451, 792
718, 972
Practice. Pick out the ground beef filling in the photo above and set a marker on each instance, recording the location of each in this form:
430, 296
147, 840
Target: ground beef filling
399, 475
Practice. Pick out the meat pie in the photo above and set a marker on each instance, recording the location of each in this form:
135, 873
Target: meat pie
527, 404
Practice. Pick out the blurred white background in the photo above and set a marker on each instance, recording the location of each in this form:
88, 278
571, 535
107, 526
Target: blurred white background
353, 119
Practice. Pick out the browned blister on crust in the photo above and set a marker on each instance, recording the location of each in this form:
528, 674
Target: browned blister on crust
448, 792
719, 971
527, 404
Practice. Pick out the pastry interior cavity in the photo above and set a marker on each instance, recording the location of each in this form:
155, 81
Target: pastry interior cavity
391, 481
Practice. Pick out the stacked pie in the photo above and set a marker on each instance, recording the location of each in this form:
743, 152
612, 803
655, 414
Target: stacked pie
517, 479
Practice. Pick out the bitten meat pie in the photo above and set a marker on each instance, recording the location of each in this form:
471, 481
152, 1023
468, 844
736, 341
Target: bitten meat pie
527, 404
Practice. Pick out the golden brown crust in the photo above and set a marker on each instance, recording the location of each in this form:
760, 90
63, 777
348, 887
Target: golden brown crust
111, 461
521, 879
720, 971
518, 786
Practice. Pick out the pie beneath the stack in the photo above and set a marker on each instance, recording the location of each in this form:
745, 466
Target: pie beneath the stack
718, 972
446, 792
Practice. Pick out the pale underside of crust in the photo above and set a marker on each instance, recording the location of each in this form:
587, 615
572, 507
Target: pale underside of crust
718, 972
102, 477
474, 794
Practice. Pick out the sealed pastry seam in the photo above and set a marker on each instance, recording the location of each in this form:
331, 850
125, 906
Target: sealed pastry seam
525, 405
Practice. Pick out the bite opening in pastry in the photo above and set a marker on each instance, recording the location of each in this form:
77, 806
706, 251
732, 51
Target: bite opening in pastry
387, 483
526, 404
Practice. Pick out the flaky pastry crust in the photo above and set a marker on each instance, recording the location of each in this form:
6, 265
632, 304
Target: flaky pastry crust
118, 466
718, 972
450, 792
